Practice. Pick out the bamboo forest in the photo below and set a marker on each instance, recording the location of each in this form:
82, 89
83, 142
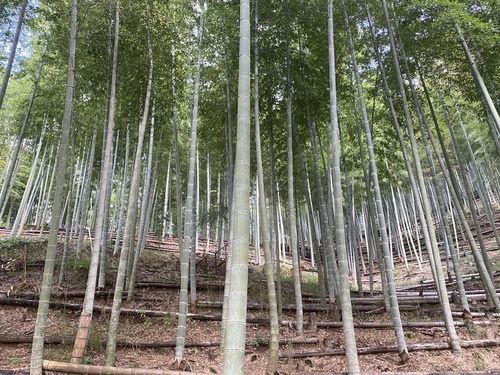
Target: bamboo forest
259, 187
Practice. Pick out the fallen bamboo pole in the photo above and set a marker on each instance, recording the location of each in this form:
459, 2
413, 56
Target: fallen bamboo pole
160, 285
493, 372
63, 295
388, 325
313, 306
429, 284
57, 340
482, 314
106, 309
393, 348
50, 340
426, 297
201, 317
72, 368
468, 277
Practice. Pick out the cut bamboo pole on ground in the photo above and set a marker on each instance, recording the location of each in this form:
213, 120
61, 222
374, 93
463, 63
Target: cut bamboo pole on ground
57, 340
71, 368
465, 277
392, 348
105, 309
206, 317
493, 372
388, 325
458, 314
160, 285
402, 296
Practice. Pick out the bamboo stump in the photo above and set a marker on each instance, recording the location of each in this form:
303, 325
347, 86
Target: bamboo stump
313, 322
81, 337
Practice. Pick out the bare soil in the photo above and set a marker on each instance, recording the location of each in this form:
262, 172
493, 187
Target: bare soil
21, 269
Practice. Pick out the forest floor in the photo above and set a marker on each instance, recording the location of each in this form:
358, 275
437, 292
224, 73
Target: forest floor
21, 265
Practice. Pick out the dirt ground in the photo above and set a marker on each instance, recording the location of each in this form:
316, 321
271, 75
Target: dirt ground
162, 266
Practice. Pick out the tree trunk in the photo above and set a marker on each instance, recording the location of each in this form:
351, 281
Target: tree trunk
415, 188
483, 272
479, 80
48, 273
292, 222
17, 227
106, 217
208, 202
271, 292
130, 220
187, 232
123, 196
274, 213
17, 165
433, 251
42, 197
344, 290
370, 215
143, 229
166, 229
229, 195
85, 321
178, 193
12, 54
462, 170
67, 227
194, 234
326, 228
87, 185
234, 354
314, 243
15, 155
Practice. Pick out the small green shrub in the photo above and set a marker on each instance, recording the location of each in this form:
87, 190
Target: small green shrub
193, 350
87, 360
259, 341
169, 321
14, 243
15, 360
78, 263
95, 340
479, 362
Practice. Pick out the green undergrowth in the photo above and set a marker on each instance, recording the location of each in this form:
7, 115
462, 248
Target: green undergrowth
257, 285
153, 259
20, 254
15, 246
17, 253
